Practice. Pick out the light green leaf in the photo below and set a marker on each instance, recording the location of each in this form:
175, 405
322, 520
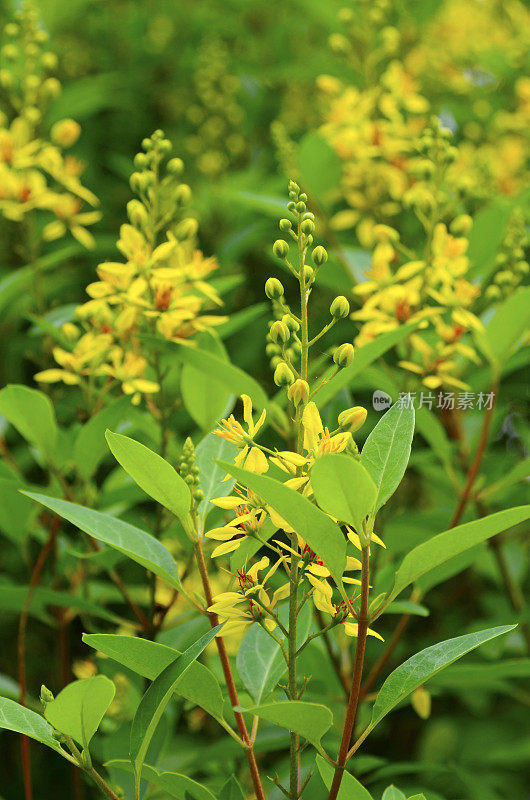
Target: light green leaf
444, 546
12, 599
350, 788
260, 661
209, 449
485, 238
90, 446
79, 708
392, 793
31, 413
320, 166
132, 542
417, 670
386, 451
232, 790
518, 473
149, 659
309, 720
364, 356
154, 475
508, 324
16, 718
343, 488
315, 527
175, 784
205, 398
157, 697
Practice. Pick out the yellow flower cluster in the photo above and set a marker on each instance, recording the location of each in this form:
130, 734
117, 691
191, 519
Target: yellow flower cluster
252, 602
160, 289
35, 174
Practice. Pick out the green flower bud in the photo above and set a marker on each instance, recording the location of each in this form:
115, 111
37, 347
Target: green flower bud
45, 695
352, 418
461, 225
285, 225
291, 206
137, 213
272, 350
300, 207
343, 355
147, 144
11, 29
280, 248
307, 227
49, 61
293, 187
279, 332
140, 161
283, 375
299, 392
340, 308
186, 229
319, 256
183, 194
309, 275
291, 323
175, 166
274, 289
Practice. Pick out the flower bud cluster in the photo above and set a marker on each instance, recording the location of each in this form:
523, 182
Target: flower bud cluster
511, 260
190, 472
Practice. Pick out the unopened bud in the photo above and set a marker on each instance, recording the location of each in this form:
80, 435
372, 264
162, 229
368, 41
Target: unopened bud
283, 375
46, 696
175, 166
307, 227
291, 323
340, 308
285, 225
183, 194
421, 703
461, 225
343, 355
279, 332
280, 248
274, 289
299, 392
319, 256
352, 418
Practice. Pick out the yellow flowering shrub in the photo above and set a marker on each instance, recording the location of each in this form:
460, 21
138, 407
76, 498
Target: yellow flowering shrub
161, 289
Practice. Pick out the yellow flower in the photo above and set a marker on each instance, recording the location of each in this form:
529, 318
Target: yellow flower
249, 456
247, 522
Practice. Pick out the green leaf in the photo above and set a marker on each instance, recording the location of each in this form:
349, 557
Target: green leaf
509, 323
154, 475
320, 166
309, 720
441, 548
422, 666
31, 413
260, 661
486, 236
175, 784
517, 473
350, 788
386, 451
90, 447
149, 659
205, 397
132, 542
16, 718
157, 697
12, 599
392, 793
232, 790
364, 356
315, 527
343, 488
79, 708
211, 482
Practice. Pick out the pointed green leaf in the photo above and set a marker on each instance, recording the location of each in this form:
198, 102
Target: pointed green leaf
16, 718
444, 546
386, 451
149, 659
175, 784
309, 720
508, 324
417, 670
90, 447
31, 413
343, 488
315, 527
156, 698
364, 356
152, 474
132, 542
392, 793
211, 476
79, 708
350, 788
232, 790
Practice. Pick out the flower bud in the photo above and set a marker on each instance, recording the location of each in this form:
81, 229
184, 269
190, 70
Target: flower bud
283, 375
291, 323
285, 225
279, 332
299, 392
301, 207
175, 166
340, 308
274, 289
183, 194
343, 355
293, 187
352, 418
309, 275
49, 61
45, 695
280, 248
186, 229
307, 227
137, 213
461, 225
319, 256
